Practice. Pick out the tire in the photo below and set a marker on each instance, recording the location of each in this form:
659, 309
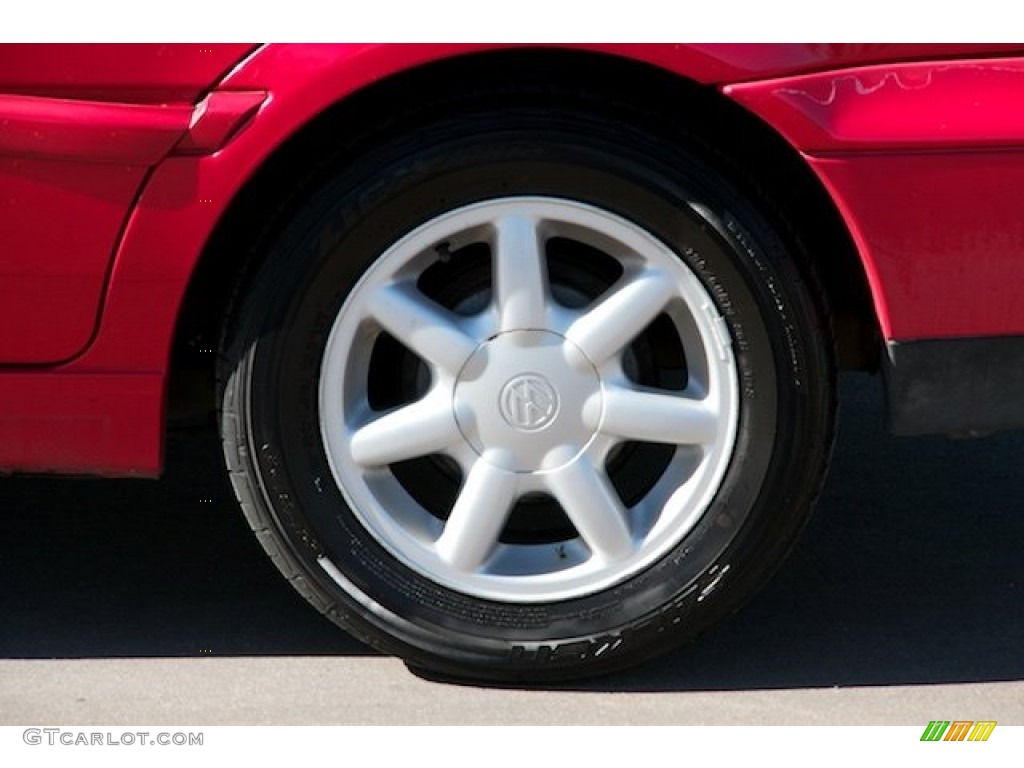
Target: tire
527, 395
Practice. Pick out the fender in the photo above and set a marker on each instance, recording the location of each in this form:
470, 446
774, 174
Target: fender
80, 128
915, 155
186, 196
925, 162
116, 427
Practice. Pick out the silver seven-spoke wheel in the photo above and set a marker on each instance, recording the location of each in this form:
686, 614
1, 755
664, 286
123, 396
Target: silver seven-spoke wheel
522, 390
527, 390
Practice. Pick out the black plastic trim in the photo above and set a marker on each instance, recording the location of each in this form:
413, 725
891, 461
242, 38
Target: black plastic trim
965, 387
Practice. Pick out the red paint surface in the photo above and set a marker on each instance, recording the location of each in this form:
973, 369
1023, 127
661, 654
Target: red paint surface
81, 423
763, 60
703, 62
939, 241
218, 118
90, 131
139, 73
70, 169
60, 223
969, 104
942, 237
925, 162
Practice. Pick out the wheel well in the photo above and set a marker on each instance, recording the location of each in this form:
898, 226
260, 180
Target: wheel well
758, 160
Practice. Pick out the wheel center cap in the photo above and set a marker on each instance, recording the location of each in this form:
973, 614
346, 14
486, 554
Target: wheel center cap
528, 401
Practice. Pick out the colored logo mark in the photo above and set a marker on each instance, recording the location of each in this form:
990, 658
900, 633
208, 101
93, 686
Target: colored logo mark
958, 730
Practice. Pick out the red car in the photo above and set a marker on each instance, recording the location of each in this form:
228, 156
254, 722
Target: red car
524, 357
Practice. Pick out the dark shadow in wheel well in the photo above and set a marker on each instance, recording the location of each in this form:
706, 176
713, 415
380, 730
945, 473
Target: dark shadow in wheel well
759, 162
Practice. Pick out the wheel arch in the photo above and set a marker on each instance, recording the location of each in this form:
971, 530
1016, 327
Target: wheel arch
758, 159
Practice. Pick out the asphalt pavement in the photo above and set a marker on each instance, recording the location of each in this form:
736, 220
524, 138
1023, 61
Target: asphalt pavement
132, 601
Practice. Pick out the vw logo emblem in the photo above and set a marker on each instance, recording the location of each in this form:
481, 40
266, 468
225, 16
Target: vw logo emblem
528, 402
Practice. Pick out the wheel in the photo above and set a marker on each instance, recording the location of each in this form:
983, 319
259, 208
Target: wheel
527, 394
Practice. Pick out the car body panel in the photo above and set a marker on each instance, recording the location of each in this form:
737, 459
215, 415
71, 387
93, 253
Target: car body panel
739, 62
943, 246
73, 157
61, 223
141, 73
709, 63
924, 105
90, 131
81, 423
927, 266
186, 197
924, 161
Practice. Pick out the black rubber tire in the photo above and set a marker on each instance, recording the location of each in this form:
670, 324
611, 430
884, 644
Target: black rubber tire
276, 335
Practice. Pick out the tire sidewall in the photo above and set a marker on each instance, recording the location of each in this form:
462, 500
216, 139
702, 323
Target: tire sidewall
347, 224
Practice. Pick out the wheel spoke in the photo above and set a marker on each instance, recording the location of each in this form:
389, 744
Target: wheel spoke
527, 392
607, 328
594, 508
478, 516
657, 418
418, 429
427, 328
520, 274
